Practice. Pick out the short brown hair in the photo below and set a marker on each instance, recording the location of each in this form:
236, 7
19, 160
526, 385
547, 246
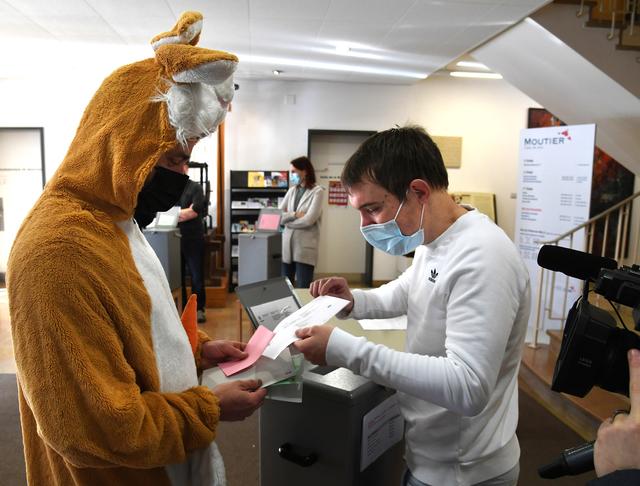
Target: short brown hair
395, 157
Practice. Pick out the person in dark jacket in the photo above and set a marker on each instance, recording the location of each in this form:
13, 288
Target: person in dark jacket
190, 222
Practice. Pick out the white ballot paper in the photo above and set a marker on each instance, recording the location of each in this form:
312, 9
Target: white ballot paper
268, 370
315, 313
393, 323
382, 427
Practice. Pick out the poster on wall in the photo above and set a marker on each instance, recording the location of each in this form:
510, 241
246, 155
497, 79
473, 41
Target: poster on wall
611, 183
555, 175
337, 194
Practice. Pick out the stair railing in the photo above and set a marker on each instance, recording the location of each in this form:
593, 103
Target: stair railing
547, 279
628, 9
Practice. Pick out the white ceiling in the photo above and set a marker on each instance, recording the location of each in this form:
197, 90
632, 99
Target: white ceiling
392, 41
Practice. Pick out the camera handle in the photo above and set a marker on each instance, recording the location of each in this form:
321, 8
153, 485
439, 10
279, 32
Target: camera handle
571, 462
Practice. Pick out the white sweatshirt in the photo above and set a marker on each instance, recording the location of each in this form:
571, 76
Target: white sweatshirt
467, 300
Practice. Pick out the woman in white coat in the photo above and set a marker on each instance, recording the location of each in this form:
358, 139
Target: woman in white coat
302, 208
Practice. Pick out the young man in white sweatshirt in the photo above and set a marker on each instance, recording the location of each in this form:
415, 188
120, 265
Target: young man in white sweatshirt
467, 301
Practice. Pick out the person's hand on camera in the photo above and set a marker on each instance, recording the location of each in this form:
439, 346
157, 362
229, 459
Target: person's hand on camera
300, 214
618, 444
239, 399
215, 352
334, 286
313, 343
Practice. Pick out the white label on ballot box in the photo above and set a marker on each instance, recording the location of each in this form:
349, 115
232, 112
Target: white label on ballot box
271, 313
382, 427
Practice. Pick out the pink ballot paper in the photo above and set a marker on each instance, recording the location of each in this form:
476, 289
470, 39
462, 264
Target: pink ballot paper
254, 349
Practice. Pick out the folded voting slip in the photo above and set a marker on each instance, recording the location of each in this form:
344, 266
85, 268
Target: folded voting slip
268, 370
254, 349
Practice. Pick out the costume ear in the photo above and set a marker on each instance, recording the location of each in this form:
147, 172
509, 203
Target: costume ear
200, 81
189, 64
186, 31
185, 63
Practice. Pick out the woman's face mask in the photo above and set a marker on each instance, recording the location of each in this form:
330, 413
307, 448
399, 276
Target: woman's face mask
294, 179
388, 237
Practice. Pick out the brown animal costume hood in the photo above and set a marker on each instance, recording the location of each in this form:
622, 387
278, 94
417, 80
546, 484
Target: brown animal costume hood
90, 401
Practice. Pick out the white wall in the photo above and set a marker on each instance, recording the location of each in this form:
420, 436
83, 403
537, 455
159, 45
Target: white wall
55, 105
347, 253
20, 183
265, 130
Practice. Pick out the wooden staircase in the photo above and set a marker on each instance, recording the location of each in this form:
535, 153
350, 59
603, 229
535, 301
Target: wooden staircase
583, 415
620, 17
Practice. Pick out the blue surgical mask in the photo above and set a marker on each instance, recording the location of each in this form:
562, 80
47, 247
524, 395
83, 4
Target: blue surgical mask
294, 179
388, 237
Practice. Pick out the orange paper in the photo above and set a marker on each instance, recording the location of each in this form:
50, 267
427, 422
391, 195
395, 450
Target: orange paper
190, 321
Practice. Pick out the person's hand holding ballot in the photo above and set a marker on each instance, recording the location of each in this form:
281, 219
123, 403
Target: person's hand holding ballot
318, 311
313, 340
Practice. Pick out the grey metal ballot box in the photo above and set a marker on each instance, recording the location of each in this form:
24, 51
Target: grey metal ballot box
318, 442
260, 256
166, 244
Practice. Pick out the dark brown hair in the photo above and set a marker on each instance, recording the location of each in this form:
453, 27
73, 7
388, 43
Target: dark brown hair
303, 163
395, 157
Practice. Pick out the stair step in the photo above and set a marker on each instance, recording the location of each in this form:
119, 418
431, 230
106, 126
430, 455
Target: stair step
629, 41
555, 341
583, 415
604, 24
587, 3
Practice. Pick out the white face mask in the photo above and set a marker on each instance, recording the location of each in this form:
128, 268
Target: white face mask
388, 237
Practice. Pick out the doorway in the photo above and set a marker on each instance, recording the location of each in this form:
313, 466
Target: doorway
342, 249
22, 178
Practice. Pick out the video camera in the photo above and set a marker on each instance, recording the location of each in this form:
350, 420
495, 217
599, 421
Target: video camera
594, 349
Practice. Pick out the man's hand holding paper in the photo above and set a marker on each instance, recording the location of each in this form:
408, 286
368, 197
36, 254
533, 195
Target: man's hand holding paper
313, 343
316, 312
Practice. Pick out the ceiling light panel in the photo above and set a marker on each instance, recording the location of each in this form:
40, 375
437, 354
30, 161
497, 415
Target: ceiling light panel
472, 65
364, 69
470, 74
